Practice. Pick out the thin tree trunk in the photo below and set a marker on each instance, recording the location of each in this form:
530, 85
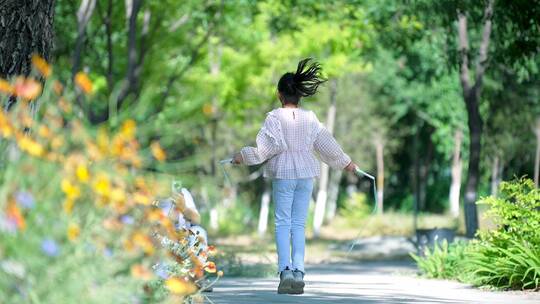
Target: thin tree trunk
471, 96
322, 194
333, 192
495, 175
263, 213
379, 151
457, 167
86, 9
537, 157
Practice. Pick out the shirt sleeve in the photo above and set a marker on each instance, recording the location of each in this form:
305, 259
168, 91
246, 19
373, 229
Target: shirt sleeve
270, 142
329, 150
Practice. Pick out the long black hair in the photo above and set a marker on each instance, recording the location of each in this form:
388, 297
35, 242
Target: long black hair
303, 83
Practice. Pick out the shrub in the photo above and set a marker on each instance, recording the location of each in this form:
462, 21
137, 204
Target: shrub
509, 256
356, 207
444, 261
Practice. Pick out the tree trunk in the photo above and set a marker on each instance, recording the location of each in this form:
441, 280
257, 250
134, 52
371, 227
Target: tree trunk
26, 28
322, 194
495, 170
537, 157
379, 153
471, 96
457, 167
86, 9
263, 214
333, 192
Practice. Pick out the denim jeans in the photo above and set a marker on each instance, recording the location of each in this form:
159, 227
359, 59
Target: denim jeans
291, 200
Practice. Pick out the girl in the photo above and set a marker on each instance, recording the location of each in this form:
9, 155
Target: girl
287, 140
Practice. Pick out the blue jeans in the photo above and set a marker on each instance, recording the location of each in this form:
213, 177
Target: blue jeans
291, 199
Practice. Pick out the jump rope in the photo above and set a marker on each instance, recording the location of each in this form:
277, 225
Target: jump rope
357, 171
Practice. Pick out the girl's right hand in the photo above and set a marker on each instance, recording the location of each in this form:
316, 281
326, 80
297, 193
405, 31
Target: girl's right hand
350, 167
237, 159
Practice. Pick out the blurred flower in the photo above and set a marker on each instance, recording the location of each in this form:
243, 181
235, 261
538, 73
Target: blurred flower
118, 195
127, 219
58, 88
180, 286
127, 131
210, 267
27, 88
208, 109
72, 191
141, 198
14, 214
57, 142
144, 242
140, 272
7, 225
5, 87
13, 268
41, 65
68, 205
157, 151
82, 173
102, 186
25, 199
107, 252
83, 82
30, 146
44, 132
161, 271
50, 247
73, 231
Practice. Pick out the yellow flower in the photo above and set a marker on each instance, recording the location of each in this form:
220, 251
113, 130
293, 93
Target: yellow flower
82, 173
157, 151
179, 286
118, 195
141, 198
128, 129
68, 205
72, 191
41, 65
102, 186
43, 131
57, 142
30, 146
83, 82
27, 88
73, 231
5, 87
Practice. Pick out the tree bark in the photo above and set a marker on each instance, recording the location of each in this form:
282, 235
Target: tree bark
86, 9
379, 153
457, 167
471, 96
495, 175
263, 213
322, 194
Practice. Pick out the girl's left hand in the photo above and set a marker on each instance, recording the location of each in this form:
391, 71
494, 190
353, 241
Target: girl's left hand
237, 158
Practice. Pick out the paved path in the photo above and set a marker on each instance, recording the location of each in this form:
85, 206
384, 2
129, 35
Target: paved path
365, 282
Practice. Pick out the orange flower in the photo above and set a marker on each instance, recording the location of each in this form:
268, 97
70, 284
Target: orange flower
14, 213
41, 65
210, 267
83, 82
180, 286
27, 88
128, 128
144, 242
157, 151
140, 272
5, 87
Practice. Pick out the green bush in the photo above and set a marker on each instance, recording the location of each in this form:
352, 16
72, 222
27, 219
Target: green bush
356, 207
509, 256
443, 261
506, 257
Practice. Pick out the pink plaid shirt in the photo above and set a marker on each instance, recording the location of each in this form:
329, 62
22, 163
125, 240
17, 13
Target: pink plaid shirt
287, 140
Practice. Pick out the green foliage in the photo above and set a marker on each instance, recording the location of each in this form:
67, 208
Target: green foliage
444, 261
507, 257
355, 207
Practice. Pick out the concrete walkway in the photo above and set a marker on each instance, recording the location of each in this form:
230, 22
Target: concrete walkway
364, 282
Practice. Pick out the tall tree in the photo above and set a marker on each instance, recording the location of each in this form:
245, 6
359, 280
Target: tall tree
472, 90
